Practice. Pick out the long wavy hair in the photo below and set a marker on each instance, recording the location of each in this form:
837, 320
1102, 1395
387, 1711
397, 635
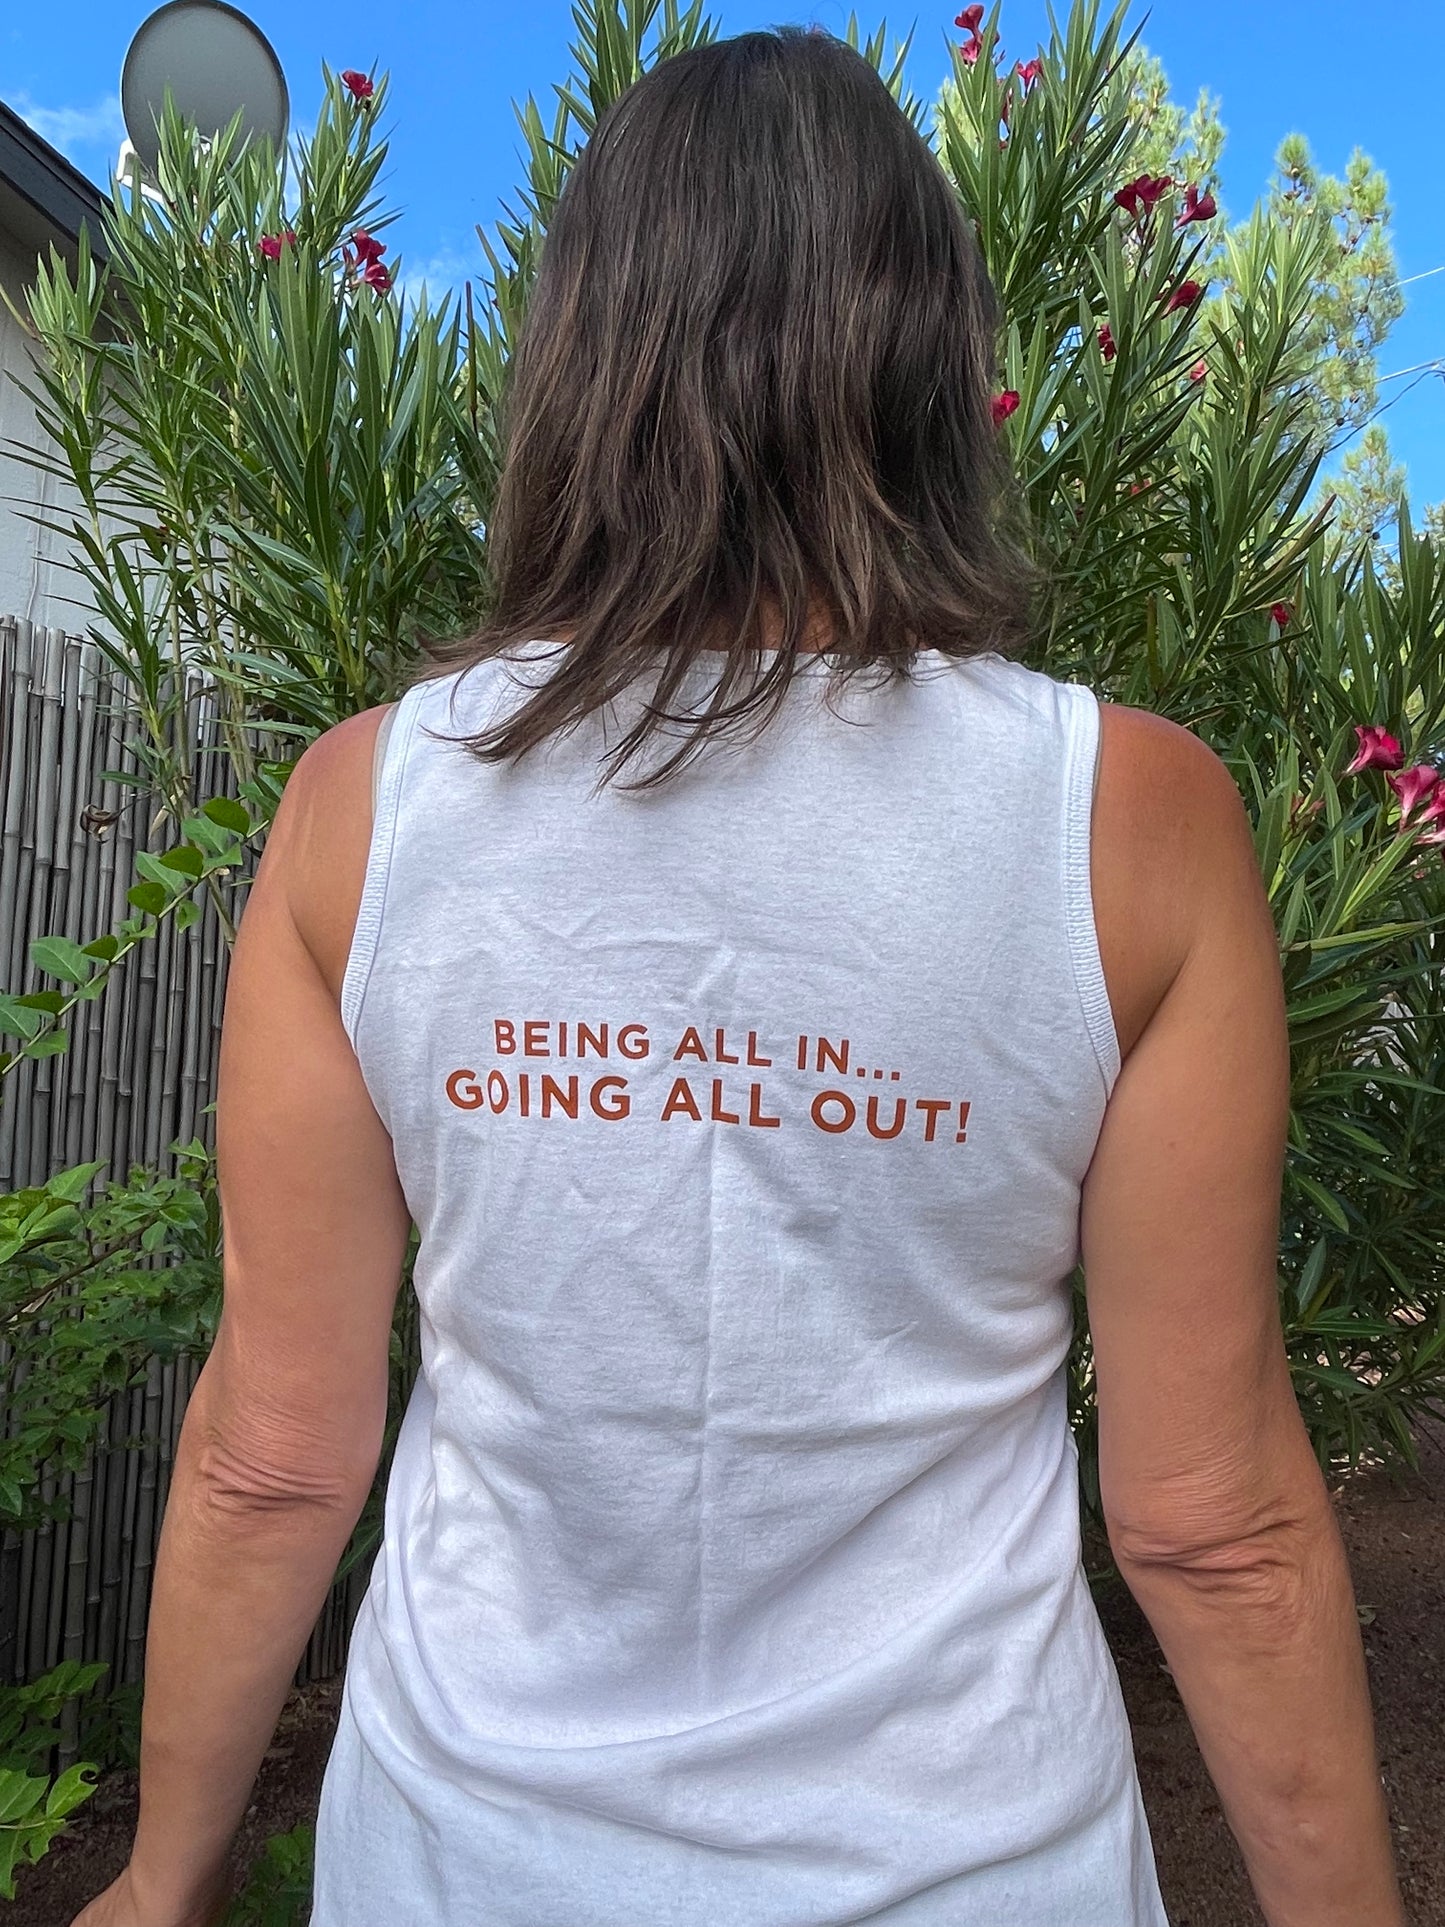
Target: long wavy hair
751, 397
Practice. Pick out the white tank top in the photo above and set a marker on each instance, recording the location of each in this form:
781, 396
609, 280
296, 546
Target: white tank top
731, 1571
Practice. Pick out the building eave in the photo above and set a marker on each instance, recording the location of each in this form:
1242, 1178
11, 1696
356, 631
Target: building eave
44, 199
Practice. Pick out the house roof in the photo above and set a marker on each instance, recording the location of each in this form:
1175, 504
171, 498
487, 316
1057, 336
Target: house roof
43, 197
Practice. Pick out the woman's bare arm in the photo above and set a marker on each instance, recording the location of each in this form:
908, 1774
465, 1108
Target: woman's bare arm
1217, 1511
284, 1430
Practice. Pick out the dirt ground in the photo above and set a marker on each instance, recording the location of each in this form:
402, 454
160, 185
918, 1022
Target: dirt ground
1394, 1526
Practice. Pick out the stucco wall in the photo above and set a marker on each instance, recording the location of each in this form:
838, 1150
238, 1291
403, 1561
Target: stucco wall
34, 580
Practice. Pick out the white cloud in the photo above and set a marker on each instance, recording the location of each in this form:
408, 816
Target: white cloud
441, 273
74, 129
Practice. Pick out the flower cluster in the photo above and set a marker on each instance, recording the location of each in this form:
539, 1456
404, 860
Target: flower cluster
363, 256
1136, 197
969, 21
1418, 786
270, 245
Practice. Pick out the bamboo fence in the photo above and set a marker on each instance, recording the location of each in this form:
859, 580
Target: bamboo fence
137, 1077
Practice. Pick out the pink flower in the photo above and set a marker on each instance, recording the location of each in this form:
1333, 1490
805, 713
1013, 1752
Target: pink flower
1197, 207
368, 249
1281, 614
1028, 72
361, 85
1107, 346
1412, 785
1140, 195
970, 51
970, 19
376, 276
1197, 373
1004, 405
1378, 749
1184, 296
271, 244
1436, 806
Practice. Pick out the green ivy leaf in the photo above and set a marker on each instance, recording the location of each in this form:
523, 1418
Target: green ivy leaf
73, 1184
230, 814
150, 897
59, 957
17, 1019
70, 1790
152, 868
52, 1002
214, 840
186, 858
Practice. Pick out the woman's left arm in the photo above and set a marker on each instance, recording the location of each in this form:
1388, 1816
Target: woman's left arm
283, 1432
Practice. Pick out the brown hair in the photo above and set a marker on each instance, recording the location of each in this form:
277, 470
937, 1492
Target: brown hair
754, 382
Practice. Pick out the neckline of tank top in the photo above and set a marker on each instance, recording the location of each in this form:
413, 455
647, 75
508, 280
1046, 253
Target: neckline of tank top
807, 658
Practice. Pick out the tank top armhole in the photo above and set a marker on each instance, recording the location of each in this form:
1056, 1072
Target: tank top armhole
399, 727
1083, 736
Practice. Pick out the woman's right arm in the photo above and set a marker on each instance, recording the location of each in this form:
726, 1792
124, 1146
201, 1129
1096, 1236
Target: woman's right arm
1217, 1512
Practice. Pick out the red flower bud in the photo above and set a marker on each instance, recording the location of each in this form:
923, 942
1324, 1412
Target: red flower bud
1281, 614
1197, 207
1004, 405
1184, 296
361, 86
1138, 196
1107, 346
1028, 72
969, 20
1197, 373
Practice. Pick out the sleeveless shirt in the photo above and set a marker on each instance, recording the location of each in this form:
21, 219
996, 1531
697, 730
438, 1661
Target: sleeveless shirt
731, 1571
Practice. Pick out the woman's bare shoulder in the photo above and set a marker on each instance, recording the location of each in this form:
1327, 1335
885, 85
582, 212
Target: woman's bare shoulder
319, 843
1170, 834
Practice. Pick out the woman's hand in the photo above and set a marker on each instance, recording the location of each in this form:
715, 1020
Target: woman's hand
122, 1906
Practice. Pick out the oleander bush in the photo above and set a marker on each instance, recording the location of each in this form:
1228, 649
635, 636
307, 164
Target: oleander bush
285, 459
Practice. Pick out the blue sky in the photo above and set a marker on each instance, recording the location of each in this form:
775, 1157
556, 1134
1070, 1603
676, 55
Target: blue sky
1343, 76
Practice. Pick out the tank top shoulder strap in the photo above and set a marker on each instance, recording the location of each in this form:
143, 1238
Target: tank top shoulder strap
1080, 716
393, 746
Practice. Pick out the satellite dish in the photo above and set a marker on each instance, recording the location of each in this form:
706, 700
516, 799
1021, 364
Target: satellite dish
215, 63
